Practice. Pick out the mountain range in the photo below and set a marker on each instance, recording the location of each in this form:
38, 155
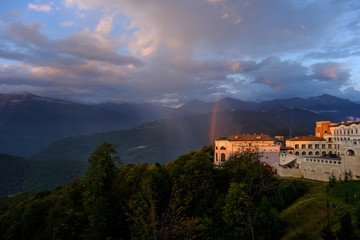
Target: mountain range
29, 123
164, 140
53, 138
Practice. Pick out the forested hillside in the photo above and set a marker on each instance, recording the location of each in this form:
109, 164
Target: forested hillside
163, 141
23, 175
188, 198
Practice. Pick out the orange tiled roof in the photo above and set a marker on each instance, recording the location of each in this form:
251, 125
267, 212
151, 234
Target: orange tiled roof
306, 138
348, 123
249, 138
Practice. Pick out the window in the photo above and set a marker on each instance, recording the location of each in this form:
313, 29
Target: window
217, 157
310, 146
323, 146
317, 153
223, 148
296, 153
350, 153
316, 146
296, 146
303, 146
323, 153
303, 153
223, 157
329, 145
310, 153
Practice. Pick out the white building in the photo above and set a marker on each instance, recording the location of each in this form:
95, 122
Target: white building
333, 152
268, 147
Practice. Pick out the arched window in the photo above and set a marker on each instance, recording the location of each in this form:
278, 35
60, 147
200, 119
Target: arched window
303, 153
296, 153
217, 157
317, 153
223, 148
323, 153
223, 157
310, 153
350, 152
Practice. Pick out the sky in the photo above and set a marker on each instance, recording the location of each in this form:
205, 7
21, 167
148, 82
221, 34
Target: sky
173, 51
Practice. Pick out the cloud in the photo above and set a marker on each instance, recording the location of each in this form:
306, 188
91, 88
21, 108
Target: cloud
174, 51
26, 33
330, 71
67, 24
39, 7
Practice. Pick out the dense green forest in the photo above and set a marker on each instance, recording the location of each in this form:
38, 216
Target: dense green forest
188, 198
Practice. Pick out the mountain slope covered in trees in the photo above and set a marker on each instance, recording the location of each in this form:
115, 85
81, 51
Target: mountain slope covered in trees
162, 141
23, 175
29, 123
188, 198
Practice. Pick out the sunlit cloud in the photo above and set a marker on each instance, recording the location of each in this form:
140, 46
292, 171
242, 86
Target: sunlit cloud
39, 7
67, 24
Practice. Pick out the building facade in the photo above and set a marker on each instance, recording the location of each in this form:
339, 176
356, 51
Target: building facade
268, 147
334, 151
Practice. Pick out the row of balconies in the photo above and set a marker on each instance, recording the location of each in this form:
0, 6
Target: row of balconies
313, 146
323, 161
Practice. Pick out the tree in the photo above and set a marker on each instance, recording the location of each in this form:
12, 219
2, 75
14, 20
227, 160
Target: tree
346, 231
267, 224
327, 234
153, 219
101, 204
237, 212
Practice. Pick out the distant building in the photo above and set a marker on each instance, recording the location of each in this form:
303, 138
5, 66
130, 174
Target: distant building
332, 152
268, 147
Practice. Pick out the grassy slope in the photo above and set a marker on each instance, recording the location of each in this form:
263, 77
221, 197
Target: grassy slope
306, 217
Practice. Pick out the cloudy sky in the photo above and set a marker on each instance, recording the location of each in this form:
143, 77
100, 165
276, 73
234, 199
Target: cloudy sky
174, 51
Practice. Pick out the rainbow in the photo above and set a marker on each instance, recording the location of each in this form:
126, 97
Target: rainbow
213, 121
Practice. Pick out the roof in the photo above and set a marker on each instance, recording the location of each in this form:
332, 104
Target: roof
219, 139
306, 138
286, 148
249, 138
348, 123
